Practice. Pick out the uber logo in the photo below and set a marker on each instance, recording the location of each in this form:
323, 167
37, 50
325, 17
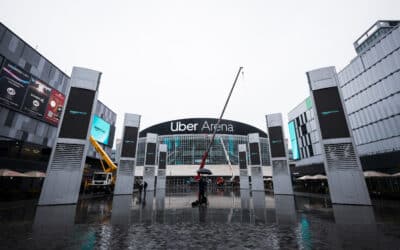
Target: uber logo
181, 127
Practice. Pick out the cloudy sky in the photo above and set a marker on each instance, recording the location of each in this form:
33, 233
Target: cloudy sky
171, 59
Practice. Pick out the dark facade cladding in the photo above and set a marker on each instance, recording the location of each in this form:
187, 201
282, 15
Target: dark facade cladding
187, 139
32, 97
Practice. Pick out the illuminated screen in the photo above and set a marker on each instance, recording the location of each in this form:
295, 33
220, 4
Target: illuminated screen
100, 130
129, 142
151, 154
163, 160
330, 113
276, 142
254, 154
293, 141
22, 92
242, 160
77, 114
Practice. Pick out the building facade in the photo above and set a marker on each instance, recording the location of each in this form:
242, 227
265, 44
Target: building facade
187, 139
370, 87
32, 95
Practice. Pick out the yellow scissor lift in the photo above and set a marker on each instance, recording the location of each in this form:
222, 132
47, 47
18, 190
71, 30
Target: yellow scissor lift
105, 180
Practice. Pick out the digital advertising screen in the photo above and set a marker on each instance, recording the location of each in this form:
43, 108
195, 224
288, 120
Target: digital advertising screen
77, 114
150, 154
100, 130
129, 142
330, 113
111, 137
276, 141
293, 141
54, 107
255, 153
13, 84
36, 99
242, 160
162, 163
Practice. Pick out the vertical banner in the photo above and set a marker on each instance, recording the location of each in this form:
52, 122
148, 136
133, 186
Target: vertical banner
54, 107
36, 98
13, 84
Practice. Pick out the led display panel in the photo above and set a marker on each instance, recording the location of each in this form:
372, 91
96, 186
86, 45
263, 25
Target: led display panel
330, 113
54, 107
151, 154
100, 130
13, 84
36, 99
255, 153
129, 142
77, 114
293, 141
22, 92
276, 141
162, 162
242, 160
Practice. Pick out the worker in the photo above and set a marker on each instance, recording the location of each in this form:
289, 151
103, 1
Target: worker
202, 191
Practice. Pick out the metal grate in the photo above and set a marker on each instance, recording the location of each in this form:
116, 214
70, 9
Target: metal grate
126, 167
67, 157
340, 156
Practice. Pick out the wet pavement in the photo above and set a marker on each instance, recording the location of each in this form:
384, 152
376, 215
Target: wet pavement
232, 220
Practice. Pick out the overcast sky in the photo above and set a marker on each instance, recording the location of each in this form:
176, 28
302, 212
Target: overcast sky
172, 59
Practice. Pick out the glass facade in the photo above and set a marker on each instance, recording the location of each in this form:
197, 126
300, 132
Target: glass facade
188, 149
370, 86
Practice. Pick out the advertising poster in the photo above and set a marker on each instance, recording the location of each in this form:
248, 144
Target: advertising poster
254, 154
330, 113
13, 84
77, 114
129, 142
36, 98
100, 130
162, 164
276, 141
54, 107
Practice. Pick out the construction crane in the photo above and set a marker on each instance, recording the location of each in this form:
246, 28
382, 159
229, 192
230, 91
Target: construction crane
227, 158
105, 180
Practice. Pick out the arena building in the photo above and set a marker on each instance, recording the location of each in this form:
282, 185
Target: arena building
187, 139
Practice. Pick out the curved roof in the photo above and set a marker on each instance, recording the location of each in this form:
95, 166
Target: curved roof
201, 126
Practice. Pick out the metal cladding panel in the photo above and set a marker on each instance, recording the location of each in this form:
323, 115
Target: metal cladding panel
257, 181
126, 168
125, 176
274, 120
342, 165
281, 177
64, 173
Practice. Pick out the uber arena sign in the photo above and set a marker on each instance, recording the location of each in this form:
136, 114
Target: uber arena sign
205, 127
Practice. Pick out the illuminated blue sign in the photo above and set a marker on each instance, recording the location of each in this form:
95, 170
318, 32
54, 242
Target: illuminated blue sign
293, 141
100, 130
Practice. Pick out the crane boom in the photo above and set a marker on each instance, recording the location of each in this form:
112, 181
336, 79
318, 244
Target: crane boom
104, 156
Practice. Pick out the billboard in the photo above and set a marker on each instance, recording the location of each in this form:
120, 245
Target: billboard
36, 99
100, 130
129, 142
150, 154
242, 160
13, 84
24, 93
276, 141
330, 113
162, 162
255, 153
77, 114
54, 107
293, 141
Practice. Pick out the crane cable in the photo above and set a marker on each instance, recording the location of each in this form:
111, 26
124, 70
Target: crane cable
205, 155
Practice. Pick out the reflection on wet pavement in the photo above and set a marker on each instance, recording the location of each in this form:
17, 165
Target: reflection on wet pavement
232, 219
